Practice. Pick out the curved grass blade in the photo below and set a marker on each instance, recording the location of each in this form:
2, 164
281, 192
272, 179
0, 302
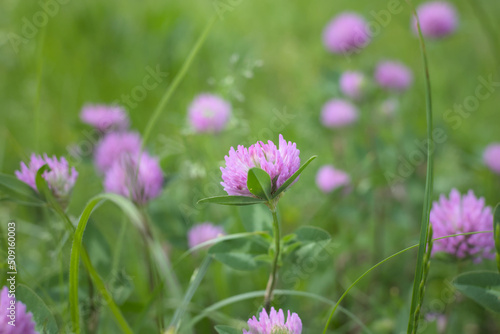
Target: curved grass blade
259, 183
293, 177
424, 227
76, 250
496, 233
232, 200
195, 283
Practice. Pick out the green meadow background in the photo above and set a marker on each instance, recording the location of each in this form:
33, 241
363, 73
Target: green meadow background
268, 60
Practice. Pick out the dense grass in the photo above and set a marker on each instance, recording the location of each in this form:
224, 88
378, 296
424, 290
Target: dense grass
265, 57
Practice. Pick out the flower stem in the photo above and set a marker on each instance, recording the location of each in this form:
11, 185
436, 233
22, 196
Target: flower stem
272, 278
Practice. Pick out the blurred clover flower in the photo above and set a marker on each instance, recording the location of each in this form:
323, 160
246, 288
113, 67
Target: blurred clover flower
352, 84
347, 32
462, 214
491, 157
437, 19
393, 75
280, 163
140, 183
114, 146
328, 179
23, 321
274, 323
105, 118
338, 113
204, 232
60, 178
209, 113
389, 106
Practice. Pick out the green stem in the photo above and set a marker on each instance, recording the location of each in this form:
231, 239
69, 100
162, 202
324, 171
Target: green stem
272, 278
382, 262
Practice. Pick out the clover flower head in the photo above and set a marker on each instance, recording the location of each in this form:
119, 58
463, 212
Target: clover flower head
60, 178
12, 310
346, 33
114, 146
338, 113
352, 84
462, 214
393, 75
438, 19
140, 183
279, 162
491, 157
105, 117
274, 323
209, 113
328, 179
203, 232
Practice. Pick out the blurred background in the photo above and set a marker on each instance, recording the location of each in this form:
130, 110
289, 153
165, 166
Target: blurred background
268, 60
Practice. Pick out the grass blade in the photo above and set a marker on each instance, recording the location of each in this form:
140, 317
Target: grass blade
424, 227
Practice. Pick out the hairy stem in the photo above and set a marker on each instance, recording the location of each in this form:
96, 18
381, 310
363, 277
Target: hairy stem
272, 278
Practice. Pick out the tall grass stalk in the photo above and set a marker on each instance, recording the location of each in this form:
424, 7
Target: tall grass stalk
424, 227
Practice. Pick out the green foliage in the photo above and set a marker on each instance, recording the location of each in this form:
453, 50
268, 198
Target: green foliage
259, 183
481, 286
241, 254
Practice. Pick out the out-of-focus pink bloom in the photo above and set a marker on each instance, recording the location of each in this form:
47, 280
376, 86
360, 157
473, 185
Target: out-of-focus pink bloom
437, 19
209, 113
491, 157
352, 84
328, 178
462, 214
105, 118
141, 184
393, 75
338, 113
114, 146
274, 323
60, 178
15, 312
203, 232
280, 163
346, 33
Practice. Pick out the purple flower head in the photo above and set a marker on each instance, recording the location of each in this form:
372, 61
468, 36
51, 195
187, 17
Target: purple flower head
12, 310
462, 214
352, 84
491, 157
338, 113
209, 113
204, 232
393, 75
141, 184
114, 146
328, 179
105, 118
437, 19
347, 32
274, 323
60, 178
280, 163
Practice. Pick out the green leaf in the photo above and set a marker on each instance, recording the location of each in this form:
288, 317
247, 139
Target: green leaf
481, 286
259, 183
43, 317
240, 254
293, 177
227, 330
128, 208
18, 189
312, 234
232, 200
